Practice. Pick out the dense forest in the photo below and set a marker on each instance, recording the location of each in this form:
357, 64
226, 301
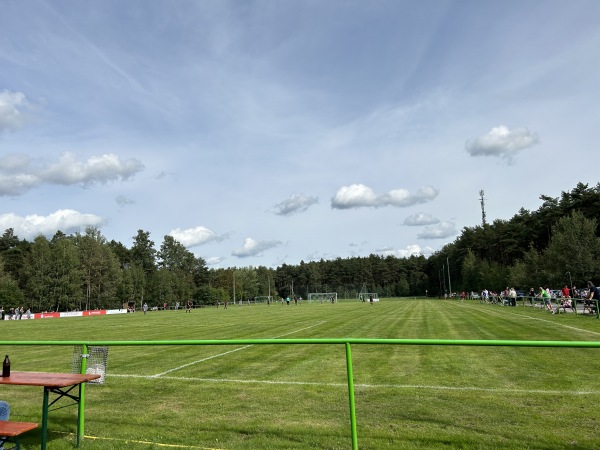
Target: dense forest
557, 244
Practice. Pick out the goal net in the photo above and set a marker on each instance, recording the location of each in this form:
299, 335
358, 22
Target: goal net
323, 297
366, 296
263, 299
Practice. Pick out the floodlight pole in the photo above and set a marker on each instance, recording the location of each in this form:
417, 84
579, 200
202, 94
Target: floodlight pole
444, 277
449, 283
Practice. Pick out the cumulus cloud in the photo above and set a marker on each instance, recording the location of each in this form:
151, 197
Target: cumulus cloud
196, 236
13, 106
359, 195
254, 248
97, 169
317, 256
66, 220
214, 260
294, 204
502, 142
410, 250
420, 219
20, 173
440, 231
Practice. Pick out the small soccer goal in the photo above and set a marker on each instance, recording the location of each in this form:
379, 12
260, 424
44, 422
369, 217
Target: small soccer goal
323, 297
268, 299
366, 296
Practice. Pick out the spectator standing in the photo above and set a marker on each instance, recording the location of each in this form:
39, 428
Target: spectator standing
531, 295
545, 295
513, 297
145, 308
594, 294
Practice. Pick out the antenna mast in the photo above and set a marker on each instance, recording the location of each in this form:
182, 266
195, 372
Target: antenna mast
482, 200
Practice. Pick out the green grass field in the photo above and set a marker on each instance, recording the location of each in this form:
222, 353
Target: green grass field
296, 396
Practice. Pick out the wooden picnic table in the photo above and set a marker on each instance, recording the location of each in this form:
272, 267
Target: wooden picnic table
69, 385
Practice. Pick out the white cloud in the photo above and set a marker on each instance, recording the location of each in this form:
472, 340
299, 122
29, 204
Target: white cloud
317, 256
12, 106
196, 236
20, 173
502, 142
254, 248
17, 184
103, 168
359, 195
214, 260
440, 231
410, 250
420, 219
66, 220
294, 204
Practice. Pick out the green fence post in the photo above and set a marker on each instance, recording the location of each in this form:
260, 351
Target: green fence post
81, 405
351, 397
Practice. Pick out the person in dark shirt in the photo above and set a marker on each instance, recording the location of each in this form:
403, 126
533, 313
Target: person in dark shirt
594, 294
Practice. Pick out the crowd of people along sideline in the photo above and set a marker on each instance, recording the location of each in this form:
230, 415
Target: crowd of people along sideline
564, 296
15, 313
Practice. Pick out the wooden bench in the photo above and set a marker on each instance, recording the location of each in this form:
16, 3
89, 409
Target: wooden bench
10, 432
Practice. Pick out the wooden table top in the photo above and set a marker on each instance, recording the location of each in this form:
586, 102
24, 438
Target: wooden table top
15, 428
48, 379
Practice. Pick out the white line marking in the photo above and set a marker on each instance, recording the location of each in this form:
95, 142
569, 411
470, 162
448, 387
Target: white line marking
228, 352
365, 386
199, 361
526, 317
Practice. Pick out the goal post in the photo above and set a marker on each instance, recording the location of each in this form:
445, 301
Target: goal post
366, 296
323, 297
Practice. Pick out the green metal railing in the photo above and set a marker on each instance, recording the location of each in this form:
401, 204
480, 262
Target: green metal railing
347, 342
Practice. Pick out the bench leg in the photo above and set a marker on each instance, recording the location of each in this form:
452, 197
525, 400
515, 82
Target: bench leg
7, 440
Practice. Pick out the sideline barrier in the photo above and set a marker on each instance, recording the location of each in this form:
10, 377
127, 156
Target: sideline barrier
60, 315
347, 342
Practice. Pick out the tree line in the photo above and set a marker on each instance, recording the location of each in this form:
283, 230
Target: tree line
555, 245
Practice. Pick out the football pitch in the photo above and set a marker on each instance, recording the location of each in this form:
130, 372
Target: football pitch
295, 396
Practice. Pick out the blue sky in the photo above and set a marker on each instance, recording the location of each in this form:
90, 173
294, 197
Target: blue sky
270, 132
